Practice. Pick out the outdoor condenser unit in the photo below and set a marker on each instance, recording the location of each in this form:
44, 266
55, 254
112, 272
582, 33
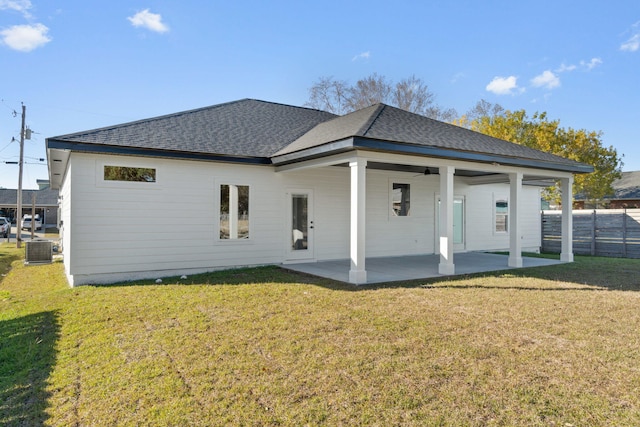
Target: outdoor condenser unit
38, 251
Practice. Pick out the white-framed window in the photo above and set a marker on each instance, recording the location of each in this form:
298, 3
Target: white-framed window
128, 173
500, 215
400, 199
234, 218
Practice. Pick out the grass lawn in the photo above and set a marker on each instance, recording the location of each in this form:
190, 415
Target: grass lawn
552, 346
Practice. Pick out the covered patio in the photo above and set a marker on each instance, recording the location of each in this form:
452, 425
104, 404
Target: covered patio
386, 138
393, 269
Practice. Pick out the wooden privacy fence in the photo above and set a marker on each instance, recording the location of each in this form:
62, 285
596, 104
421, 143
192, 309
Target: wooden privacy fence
602, 232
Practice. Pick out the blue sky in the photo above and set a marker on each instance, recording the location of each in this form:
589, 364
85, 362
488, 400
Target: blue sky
79, 65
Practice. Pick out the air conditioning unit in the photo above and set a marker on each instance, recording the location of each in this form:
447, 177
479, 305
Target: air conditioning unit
38, 252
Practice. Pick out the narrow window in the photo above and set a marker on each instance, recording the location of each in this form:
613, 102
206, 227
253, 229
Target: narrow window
129, 174
502, 216
400, 199
234, 212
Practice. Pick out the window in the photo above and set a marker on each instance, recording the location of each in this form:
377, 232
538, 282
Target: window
400, 199
129, 174
234, 212
502, 216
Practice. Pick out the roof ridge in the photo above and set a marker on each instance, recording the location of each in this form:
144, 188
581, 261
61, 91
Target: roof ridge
372, 118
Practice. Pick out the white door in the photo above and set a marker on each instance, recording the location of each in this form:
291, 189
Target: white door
458, 224
300, 225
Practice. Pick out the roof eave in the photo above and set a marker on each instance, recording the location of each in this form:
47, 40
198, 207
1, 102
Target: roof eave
426, 151
151, 152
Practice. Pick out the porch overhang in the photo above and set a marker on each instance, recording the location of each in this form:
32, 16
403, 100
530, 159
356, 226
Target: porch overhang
390, 147
475, 168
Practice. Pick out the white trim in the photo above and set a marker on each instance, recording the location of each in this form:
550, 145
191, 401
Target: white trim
216, 212
291, 255
391, 214
498, 197
127, 163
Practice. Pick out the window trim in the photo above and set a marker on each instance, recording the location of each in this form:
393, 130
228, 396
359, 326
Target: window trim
391, 211
500, 198
101, 182
217, 194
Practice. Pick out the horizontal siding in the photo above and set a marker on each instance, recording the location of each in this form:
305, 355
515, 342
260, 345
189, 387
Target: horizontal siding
171, 225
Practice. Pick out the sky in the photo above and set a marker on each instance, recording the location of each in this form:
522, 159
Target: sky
78, 65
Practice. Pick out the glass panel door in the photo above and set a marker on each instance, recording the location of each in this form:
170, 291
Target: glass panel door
458, 224
300, 228
299, 222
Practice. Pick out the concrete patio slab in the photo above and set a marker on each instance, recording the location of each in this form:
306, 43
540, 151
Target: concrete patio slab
393, 269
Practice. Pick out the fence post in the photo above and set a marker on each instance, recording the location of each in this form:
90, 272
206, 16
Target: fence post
541, 231
624, 233
593, 233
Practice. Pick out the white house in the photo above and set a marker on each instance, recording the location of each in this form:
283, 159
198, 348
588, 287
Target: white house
252, 183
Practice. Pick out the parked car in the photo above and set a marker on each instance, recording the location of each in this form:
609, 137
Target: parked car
5, 227
26, 222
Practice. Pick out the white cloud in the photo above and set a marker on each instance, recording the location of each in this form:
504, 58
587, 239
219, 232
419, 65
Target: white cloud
503, 85
363, 55
547, 80
591, 64
21, 6
632, 44
583, 65
148, 20
564, 68
25, 38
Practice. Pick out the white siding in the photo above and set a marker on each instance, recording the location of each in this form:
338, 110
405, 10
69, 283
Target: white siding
124, 231
65, 198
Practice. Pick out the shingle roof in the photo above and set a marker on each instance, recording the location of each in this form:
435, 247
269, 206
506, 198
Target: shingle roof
272, 132
628, 186
386, 123
246, 127
46, 197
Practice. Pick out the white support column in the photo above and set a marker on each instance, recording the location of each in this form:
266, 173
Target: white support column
446, 265
233, 211
515, 227
357, 273
567, 219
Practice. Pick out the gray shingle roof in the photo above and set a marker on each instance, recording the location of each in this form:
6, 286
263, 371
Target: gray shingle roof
386, 123
628, 186
263, 130
244, 128
46, 197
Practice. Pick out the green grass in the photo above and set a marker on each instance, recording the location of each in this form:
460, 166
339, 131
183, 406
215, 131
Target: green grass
549, 346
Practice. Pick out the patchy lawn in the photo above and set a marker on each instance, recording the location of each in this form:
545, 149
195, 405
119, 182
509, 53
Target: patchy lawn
549, 346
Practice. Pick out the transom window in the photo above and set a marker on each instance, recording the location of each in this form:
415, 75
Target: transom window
129, 174
234, 212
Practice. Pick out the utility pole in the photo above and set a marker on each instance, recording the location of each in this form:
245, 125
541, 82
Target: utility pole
19, 201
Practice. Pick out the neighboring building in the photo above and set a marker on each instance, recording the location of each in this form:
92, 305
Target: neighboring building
46, 203
626, 194
252, 183
626, 191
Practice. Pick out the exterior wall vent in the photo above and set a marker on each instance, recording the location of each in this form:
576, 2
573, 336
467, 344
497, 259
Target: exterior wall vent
38, 252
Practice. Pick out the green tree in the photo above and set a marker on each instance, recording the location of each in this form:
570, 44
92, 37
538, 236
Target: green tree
547, 135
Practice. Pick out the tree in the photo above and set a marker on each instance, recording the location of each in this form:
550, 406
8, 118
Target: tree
546, 135
329, 95
410, 94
